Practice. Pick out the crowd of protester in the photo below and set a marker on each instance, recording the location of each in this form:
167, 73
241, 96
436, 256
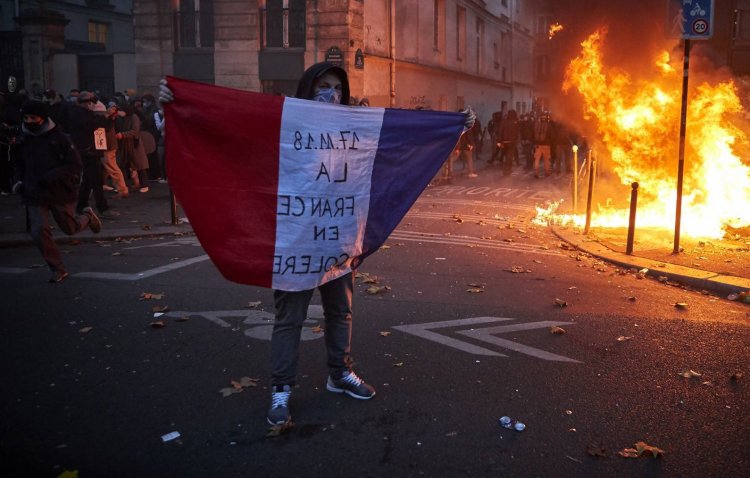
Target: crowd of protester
130, 155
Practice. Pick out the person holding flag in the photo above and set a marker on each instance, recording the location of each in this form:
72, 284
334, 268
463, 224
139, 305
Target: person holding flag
315, 189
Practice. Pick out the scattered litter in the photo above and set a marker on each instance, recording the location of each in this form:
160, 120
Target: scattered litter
151, 296
385, 333
158, 324
372, 290
507, 422
85, 330
641, 449
170, 436
556, 330
253, 305
158, 314
281, 429
238, 386
518, 269
624, 338
561, 303
681, 305
160, 308
689, 374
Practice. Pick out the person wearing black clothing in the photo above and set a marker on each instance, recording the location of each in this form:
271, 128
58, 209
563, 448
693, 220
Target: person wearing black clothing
83, 124
47, 178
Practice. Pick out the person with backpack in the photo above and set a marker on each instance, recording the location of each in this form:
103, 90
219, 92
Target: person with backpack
47, 179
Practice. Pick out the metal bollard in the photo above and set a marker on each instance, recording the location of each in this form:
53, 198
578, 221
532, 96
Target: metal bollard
592, 170
631, 223
173, 207
575, 179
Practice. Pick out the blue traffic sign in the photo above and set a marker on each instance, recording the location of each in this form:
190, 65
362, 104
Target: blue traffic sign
690, 19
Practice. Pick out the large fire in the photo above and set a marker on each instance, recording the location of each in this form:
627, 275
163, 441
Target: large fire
637, 123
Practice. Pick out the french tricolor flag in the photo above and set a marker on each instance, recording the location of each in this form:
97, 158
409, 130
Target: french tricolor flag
288, 193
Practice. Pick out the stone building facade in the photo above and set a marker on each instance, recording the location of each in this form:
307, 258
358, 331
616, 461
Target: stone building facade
57, 44
438, 54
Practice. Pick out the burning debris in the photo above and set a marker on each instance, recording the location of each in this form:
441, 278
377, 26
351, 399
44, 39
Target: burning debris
637, 123
554, 29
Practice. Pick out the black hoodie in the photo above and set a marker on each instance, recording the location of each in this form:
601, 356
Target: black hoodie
305, 88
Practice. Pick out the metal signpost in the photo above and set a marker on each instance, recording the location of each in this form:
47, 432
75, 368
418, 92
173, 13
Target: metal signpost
688, 20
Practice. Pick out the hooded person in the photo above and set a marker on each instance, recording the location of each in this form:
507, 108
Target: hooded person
327, 83
48, 178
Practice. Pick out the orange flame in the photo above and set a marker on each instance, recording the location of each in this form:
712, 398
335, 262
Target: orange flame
553, 29
638, 125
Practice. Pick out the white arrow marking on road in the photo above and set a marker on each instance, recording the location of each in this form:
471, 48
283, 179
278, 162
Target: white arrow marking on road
422, 330
485, 335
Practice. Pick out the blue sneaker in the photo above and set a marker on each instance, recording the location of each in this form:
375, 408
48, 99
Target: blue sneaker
351, 385
279, 411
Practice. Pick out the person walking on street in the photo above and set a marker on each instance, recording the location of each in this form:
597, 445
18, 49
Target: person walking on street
130, 147
85, 127
109, 159
543, 144
327, 83
508, 141
48, 178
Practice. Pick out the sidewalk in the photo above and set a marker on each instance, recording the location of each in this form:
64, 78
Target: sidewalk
142, 214
721, 266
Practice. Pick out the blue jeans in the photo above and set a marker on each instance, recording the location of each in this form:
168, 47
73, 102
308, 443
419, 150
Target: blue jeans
291, 312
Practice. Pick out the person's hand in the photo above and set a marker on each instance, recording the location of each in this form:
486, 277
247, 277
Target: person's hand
471, 118
165, 94
17, 187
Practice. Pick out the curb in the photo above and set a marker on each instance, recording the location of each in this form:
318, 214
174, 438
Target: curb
721, 284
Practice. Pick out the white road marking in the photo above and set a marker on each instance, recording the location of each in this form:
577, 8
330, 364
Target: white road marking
486, 335
260, 321
144, 274
432, 238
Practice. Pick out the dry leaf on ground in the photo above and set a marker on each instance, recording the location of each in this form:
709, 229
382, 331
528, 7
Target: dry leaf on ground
681, 305
158, 324
556, 330
385, 333
372, 290
160, 308
561, 303
366, 278
644, 449
278, 430
151, 296
689, 374
624, 338
253, 305
85, 330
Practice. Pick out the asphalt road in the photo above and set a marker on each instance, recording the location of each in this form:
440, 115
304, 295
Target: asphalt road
461, 338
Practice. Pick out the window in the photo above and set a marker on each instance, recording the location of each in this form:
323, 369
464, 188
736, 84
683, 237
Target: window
480, 43
98, 32
283, 24
437, 20
194, 24
460, 33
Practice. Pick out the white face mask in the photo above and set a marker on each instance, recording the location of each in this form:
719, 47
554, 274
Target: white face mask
328, 95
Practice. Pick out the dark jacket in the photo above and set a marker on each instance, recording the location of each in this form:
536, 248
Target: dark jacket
509, 129
305, 87
81, 128
130, 148
50, 168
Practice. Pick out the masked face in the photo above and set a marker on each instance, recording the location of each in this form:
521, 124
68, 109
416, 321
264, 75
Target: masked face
12, 84
328, 89
33, 123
